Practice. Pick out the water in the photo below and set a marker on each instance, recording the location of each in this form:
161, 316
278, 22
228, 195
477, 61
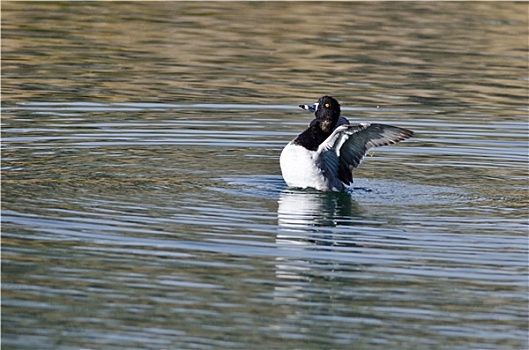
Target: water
143, 206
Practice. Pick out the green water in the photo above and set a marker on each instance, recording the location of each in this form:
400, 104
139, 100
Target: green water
142, 202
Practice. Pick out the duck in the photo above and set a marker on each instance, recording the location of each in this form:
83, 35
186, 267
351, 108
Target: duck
324, 156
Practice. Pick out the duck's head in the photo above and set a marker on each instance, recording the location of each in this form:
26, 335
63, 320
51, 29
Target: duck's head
327, 112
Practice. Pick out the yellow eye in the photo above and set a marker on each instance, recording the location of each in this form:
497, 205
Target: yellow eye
327, 105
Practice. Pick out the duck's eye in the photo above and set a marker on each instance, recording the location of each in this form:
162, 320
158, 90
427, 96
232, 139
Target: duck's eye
327, 105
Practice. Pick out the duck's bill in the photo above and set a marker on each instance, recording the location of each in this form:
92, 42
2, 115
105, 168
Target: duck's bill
310, 108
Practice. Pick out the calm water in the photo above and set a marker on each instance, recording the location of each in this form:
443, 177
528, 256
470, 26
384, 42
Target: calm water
143, 206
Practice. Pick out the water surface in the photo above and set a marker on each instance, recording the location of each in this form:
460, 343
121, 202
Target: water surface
142, 201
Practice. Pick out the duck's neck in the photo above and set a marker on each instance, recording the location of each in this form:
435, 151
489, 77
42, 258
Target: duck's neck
327, 125
314, 136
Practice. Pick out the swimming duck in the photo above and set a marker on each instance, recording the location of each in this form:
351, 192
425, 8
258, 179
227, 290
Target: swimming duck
324, 155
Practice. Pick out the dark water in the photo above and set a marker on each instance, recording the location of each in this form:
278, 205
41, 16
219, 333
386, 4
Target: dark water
143, 206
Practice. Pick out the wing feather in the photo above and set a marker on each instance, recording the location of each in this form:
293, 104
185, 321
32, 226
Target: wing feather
348, 144
363, 137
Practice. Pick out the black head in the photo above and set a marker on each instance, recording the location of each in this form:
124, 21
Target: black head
327, 111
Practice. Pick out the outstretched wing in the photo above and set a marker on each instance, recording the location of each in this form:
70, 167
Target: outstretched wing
347, 146
360, 139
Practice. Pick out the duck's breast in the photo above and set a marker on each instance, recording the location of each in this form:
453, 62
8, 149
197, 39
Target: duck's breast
302, 168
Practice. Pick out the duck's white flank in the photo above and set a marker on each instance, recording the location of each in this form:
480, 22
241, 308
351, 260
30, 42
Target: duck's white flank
318, 169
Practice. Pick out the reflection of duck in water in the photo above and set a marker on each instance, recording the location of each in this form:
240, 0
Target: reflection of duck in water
310, 218
309, 210
325, 154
